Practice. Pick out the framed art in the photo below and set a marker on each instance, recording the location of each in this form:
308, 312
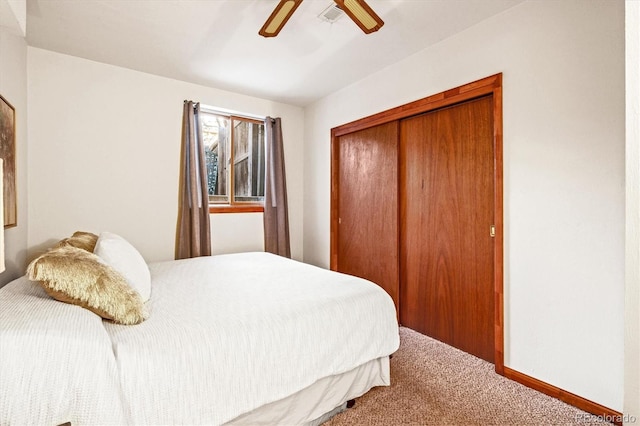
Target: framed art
8, 154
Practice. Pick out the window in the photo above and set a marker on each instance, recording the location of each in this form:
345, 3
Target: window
234, 151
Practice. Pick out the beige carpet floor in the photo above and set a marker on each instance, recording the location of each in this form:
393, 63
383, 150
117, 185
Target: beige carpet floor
436, 384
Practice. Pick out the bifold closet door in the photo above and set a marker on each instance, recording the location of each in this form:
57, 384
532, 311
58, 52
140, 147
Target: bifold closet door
367, 232
446, 215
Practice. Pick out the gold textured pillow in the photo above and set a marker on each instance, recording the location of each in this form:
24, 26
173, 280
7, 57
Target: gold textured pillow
73, 275
84, 240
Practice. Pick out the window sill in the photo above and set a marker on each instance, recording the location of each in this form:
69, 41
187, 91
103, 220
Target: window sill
226, 208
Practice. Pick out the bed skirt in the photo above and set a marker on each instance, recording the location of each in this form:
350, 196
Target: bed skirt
328, 397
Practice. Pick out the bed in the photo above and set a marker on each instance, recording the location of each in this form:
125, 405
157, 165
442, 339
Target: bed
249, 338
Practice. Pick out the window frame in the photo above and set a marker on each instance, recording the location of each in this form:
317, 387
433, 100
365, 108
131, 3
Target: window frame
234, 206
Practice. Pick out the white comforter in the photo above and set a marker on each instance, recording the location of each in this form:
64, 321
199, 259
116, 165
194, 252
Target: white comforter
56, 363
226, 334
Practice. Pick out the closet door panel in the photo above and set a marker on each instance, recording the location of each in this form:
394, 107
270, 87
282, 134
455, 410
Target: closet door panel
447, 209
367, 236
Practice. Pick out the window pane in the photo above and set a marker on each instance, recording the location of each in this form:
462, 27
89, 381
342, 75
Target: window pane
239, 170
215, 133
248, 162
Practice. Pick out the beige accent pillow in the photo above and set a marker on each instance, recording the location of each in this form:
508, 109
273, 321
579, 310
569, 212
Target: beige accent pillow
84, 240
73, 275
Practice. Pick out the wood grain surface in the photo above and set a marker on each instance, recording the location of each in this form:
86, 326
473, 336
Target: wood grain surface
446, 211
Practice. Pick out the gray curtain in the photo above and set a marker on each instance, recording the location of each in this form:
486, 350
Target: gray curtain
276, 217
193, 235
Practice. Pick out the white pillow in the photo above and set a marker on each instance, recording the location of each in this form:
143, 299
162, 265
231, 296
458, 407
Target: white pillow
118, 253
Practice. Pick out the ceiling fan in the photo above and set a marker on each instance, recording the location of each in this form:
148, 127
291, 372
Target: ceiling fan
358, 10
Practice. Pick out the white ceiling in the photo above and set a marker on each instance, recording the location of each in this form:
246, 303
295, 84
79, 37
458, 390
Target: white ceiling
216, 42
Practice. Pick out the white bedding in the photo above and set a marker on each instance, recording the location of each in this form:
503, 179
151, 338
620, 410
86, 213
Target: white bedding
231, 333
226, 335
56, 363
320, 401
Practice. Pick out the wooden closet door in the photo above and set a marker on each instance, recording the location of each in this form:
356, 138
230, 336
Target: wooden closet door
447, 210
367, 230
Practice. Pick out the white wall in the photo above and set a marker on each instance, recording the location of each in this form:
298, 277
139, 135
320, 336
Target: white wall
19, 9
563, 65
240, 232
632, 296
104, 155
13, 87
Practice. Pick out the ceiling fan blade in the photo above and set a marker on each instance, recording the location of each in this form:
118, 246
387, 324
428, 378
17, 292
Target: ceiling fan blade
360, 13
279, 17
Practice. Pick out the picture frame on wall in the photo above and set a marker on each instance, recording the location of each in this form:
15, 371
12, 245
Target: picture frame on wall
8, 154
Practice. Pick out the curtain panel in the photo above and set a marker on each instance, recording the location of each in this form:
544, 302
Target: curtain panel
193, 235
276, 216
